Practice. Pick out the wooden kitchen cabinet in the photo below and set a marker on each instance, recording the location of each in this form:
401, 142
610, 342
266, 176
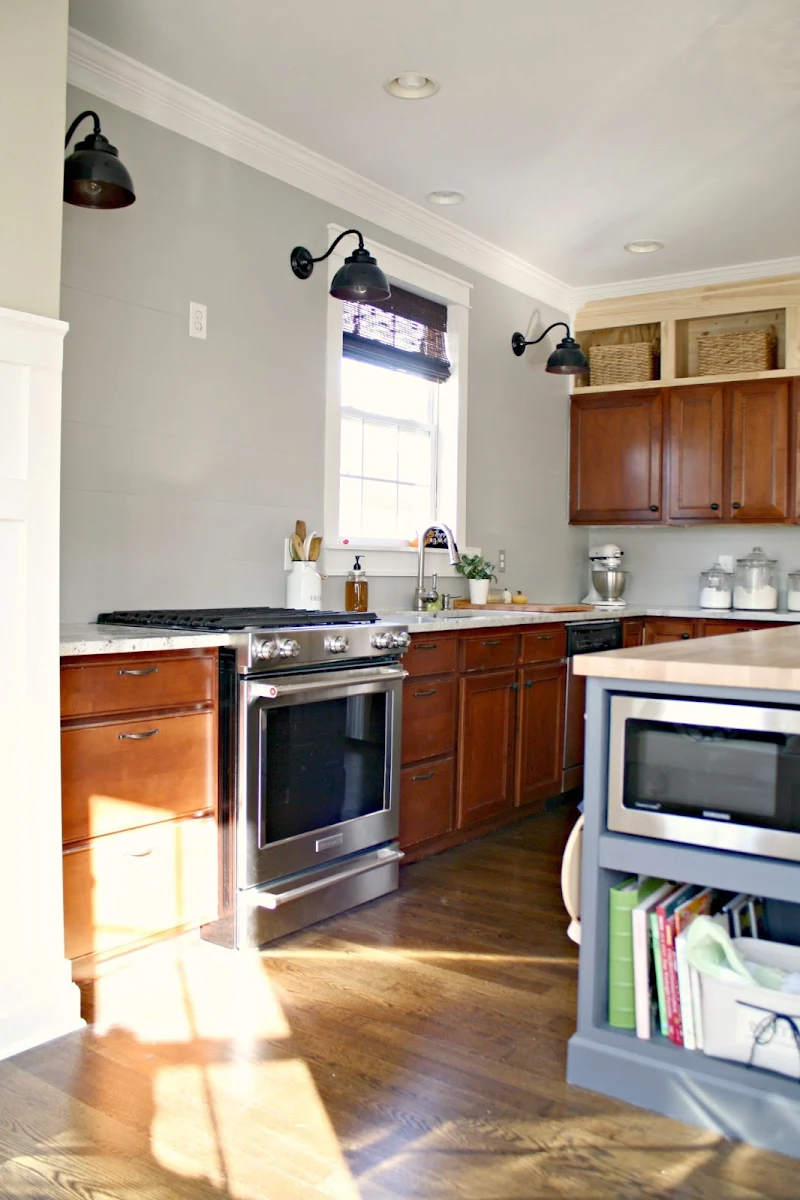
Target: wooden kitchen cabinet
428, 739
540, 732
668, 629
632, 633
694, 449
759, 450
426, 801
615, 458
486, 735
139, 739
429, 718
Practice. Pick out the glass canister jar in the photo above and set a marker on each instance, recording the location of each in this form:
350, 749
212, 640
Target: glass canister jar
793, 591
756, 581
716, 587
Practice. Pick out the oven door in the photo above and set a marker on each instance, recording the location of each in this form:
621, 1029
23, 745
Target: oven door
707, 773
319, 757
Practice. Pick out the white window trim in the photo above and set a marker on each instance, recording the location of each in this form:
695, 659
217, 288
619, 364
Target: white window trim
392, 558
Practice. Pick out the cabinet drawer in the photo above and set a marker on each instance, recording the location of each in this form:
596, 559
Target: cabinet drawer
488, 651
544, 645
668, 629
429, 719
426, 801
137, 681
123, 775
714, 628
126, 887
430, 656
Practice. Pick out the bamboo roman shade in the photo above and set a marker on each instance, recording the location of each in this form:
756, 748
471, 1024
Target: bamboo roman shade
404, 333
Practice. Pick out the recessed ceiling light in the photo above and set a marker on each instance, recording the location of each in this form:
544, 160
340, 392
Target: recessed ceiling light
446, 196
412, 85
645, 246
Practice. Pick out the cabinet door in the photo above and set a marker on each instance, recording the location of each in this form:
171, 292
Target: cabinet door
694, 454
759, 450
667, 629
429, 719
615, 458
540, 733
486, 745
426, 801
632, 634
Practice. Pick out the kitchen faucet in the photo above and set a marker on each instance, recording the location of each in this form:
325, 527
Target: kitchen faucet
424, 596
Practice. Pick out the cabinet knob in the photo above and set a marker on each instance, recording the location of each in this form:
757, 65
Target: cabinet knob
736, 504
653, 508
514, 687
685, 636
714, 507
528, 683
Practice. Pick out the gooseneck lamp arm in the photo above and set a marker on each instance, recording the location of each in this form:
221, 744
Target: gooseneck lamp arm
359, 279
518, 342
77, 121
566, 359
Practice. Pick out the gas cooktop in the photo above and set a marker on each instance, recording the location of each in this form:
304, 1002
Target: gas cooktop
230, 620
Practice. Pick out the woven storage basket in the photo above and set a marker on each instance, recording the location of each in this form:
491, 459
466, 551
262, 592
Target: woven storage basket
722, 353
633, 363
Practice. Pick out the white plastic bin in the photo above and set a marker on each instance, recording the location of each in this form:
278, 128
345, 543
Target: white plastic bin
750, 1024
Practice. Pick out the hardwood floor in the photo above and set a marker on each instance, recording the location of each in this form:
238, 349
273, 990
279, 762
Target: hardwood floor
412, 1048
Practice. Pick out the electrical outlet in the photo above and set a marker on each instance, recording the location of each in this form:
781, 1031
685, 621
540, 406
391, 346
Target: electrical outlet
501, 560
725, 561
197, 319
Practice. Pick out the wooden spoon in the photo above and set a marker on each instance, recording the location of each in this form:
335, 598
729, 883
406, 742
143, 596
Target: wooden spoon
296, 548
314, 548
300, 530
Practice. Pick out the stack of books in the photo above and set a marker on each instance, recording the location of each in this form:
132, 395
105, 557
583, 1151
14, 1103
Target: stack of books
651, 986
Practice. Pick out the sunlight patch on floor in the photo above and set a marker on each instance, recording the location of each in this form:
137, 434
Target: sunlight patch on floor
379, 954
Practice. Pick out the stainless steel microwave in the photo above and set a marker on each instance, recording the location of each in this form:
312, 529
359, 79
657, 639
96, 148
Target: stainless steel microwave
707, 773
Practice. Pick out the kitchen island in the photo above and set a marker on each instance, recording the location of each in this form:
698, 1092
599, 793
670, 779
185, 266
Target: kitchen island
758, 668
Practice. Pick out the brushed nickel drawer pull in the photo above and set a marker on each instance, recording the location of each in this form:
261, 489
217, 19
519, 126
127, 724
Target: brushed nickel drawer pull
137, 737
544, 637
431, 692
427, 775
137, 670
426, 646
138, 853
496, 642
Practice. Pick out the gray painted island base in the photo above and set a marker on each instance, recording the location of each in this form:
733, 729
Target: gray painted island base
737, 1101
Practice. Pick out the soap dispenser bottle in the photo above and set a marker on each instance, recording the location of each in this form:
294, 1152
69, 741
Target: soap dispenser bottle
356, 589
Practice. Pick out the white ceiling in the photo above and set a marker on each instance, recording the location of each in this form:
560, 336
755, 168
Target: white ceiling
571, 128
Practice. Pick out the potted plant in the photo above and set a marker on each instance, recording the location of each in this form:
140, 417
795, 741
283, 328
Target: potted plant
478, 572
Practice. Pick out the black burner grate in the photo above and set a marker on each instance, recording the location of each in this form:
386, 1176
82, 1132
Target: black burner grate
226, 620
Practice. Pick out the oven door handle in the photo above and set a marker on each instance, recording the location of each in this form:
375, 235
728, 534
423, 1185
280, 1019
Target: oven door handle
266, 690
274, 900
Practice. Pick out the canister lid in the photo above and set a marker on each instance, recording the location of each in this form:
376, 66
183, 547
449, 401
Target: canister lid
757, 558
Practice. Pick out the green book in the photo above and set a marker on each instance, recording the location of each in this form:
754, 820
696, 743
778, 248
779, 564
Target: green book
622, 899
662, 997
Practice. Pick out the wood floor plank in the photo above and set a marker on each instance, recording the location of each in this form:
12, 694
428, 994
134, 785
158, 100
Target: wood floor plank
414, 1047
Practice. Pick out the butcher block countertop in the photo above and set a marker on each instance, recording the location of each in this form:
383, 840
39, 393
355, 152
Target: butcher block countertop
768, 658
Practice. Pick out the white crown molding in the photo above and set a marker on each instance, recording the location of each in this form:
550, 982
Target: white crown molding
104, 72
685, 279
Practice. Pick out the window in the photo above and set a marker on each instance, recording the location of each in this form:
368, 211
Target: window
396, 410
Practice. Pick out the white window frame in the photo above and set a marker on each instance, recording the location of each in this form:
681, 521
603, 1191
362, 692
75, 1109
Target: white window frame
388, 558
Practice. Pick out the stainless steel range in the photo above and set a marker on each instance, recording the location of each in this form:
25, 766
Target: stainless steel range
310, 706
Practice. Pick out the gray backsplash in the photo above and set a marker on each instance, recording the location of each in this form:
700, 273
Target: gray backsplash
664, 563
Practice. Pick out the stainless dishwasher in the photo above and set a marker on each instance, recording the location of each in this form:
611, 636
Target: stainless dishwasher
586, 637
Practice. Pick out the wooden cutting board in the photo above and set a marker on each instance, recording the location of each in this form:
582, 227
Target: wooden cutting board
510, 608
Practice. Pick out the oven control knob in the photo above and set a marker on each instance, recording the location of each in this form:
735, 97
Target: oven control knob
338, 644
267, 649
382, 641
288, 649
401, 639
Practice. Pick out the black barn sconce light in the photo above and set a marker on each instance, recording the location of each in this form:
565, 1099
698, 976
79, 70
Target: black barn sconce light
94, 177
566, 359
359, 279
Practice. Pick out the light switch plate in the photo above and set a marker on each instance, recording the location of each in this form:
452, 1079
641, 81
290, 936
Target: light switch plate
501, 560
198, 322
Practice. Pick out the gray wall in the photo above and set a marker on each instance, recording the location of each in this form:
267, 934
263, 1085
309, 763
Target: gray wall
33, 37
664, 564
186, 462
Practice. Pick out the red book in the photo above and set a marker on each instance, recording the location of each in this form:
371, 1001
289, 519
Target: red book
684, 914
666, 941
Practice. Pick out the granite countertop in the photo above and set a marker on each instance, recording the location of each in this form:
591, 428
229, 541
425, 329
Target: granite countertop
130, 639
761, 658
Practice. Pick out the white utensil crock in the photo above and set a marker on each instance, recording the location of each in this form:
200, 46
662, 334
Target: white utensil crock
303, 586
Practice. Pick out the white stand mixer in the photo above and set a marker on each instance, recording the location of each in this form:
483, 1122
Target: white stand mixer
605, 563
